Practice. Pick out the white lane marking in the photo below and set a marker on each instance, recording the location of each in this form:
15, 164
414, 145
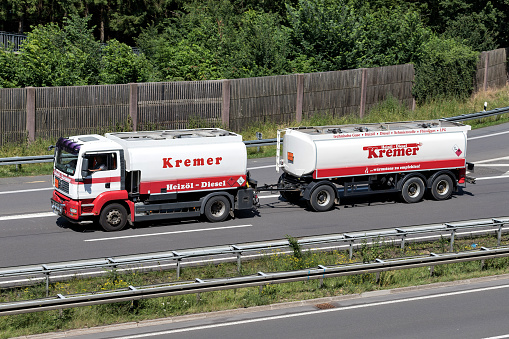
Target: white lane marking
26, 191
489, 160
166, 233
498, 337
492, 165
268, 166
295, 315
488, 135
28, 216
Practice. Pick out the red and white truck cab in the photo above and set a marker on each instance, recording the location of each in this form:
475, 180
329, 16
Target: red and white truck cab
136, 176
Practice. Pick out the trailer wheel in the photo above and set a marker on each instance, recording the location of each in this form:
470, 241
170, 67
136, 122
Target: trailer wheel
441, 188
322, 198
113, 217
217, 208
413, 190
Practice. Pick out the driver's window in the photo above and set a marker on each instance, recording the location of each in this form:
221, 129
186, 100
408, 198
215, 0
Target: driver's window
102, 162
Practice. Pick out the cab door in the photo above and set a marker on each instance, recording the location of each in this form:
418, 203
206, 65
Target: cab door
102, 174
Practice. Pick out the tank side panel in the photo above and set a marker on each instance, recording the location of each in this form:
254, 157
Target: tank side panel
195, 167
375, 155
299, 153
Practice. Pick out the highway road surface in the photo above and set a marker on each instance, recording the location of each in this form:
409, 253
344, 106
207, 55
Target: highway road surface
31, 234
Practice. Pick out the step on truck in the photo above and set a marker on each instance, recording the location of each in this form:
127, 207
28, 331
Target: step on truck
127, 177
411, 158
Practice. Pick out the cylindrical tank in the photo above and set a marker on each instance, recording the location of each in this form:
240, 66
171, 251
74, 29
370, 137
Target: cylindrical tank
352, 150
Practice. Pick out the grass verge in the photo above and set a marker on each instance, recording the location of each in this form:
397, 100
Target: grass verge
387, 111
89, 316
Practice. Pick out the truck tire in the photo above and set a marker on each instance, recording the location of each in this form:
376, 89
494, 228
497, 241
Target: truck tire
413, 190
322, 198
441, 187
217, 208
113, 217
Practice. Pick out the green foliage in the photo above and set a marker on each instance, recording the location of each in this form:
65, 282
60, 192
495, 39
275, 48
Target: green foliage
8, 72
52, 56
119, 65
445, 69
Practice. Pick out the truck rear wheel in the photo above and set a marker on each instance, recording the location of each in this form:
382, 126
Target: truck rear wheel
413, 190
322, 198
113, 217
441, 188
217, 208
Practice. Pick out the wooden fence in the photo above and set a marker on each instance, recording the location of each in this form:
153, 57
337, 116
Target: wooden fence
50, 112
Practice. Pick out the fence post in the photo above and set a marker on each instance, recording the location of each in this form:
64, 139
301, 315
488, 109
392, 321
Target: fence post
362, 106
133, 105
486, 61
225, 112
30, 113
300, 97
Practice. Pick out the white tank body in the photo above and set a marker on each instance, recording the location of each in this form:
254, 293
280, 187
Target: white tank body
185, 160
351, 150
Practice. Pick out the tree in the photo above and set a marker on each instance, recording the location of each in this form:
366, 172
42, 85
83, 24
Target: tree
52, 56
119, 65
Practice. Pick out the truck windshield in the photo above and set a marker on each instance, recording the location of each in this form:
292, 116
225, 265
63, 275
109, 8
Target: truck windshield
66, 162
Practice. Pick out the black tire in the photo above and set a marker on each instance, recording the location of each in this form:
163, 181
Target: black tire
113, 217
442, 187
217, 208
413, 190
322, 198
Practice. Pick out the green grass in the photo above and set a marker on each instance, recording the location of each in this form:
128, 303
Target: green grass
387, 111
41, 322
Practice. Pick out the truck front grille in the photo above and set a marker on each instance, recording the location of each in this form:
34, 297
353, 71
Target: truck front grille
63, 186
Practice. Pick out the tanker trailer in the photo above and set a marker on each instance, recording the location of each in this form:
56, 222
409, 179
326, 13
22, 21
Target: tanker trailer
411, 158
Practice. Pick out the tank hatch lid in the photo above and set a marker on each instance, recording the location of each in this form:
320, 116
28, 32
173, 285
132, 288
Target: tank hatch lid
172, 134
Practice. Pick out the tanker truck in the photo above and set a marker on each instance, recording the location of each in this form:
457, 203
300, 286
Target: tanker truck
127, 177
410, 158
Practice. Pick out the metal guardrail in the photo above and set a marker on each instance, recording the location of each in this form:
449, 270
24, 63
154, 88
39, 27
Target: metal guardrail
261, 279
351, 239
251, 143
479, 115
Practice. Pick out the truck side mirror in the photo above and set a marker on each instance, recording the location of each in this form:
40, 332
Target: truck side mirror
84, 168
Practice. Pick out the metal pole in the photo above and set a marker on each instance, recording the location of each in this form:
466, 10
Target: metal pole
452, 240
178, 268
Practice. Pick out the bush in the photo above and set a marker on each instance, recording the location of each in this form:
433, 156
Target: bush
445, 69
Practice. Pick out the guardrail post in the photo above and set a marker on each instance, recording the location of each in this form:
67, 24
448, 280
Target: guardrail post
178, 267
47, 273
351, 249
321, 278
239, 255
453, 233
499, 233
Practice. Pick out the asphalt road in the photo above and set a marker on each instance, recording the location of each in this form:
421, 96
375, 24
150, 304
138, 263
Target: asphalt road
30, 234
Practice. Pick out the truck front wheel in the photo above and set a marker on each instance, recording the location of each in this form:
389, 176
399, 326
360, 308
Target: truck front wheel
322, 198
441, 188
113, 217
217, 208
413, 190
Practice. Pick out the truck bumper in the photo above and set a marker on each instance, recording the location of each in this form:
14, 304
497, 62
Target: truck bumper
68, 208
